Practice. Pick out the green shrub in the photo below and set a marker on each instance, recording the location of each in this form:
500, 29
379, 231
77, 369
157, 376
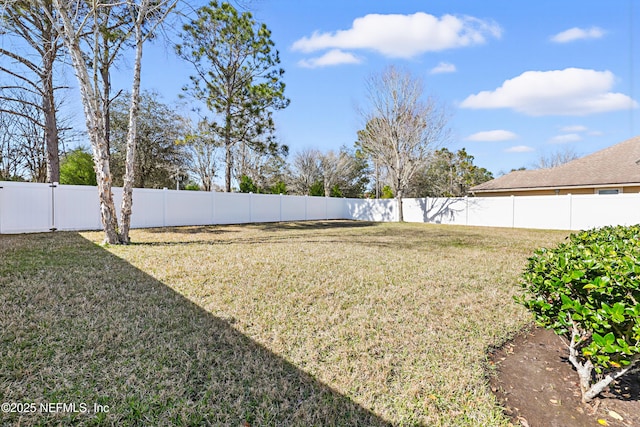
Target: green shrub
387, 192
247, 185
279, 188
317, 189
192, 186
77, 168
588, 291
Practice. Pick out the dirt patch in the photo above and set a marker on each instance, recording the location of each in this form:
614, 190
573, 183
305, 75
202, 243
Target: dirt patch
538, 387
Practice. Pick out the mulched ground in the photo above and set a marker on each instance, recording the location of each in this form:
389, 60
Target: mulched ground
538, 387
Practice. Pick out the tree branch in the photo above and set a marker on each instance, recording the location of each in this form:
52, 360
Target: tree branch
22, 60
26, 116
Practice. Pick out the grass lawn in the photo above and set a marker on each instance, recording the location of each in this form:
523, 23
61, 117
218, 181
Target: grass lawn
322, 323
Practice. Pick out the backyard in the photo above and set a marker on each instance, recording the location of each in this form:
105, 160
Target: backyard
308, 323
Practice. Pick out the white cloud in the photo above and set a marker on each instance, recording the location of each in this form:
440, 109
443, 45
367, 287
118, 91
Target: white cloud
574, 128
443, 67
575, 33
565, 138
333, 57
520, 149
568, 92
492, 135
403, 36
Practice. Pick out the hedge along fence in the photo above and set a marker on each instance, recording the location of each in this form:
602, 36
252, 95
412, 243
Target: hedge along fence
32, 207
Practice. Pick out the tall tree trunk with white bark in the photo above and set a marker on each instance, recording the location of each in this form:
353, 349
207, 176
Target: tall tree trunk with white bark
95, 121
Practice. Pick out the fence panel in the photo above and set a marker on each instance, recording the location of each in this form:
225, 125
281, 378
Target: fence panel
597, 210
188, 208
265, 208
148, 207
25, 207
490, 211
442, 210
552, 212
414, 210
294, 208
316, 208
232, 208
336, 208
380, 210
77, 208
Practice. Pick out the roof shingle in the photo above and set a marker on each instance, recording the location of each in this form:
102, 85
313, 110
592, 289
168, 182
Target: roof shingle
615, 165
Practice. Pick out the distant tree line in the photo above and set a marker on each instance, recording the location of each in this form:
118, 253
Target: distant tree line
173, 153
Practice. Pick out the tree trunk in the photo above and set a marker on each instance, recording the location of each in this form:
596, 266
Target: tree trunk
584, 370
129, 177
51, 132
228, 146
49, 106
106, 92
400, 209
95, 127
227, 177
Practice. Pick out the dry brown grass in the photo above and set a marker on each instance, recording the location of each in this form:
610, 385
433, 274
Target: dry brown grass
323, 323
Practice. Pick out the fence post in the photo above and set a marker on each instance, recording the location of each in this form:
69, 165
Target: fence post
343, 213
164, 206
213, 207
250, 207
326, 207
513, 211
306, 201
466, 210
1, 205
570, 211
53, 186
280, 200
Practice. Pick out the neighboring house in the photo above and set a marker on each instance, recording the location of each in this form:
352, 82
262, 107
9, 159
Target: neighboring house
613, 170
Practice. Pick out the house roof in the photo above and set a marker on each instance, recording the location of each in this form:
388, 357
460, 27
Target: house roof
615, 165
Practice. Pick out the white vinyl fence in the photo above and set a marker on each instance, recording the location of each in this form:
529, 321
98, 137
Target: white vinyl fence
568, 212
30, 207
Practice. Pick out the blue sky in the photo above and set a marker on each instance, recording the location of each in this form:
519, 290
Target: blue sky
520, 78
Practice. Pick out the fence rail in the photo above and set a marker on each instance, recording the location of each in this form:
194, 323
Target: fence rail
31, 207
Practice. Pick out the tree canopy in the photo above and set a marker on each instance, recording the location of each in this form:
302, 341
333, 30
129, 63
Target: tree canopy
237, 76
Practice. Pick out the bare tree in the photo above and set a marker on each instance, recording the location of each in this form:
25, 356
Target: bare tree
27, 20
336, 168
307, 171
556, 158
263, 164
204, 153
401, 129
10, 163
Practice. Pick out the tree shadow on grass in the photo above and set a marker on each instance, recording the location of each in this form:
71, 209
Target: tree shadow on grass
81, 327
314, 225
277, 232
222, 229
